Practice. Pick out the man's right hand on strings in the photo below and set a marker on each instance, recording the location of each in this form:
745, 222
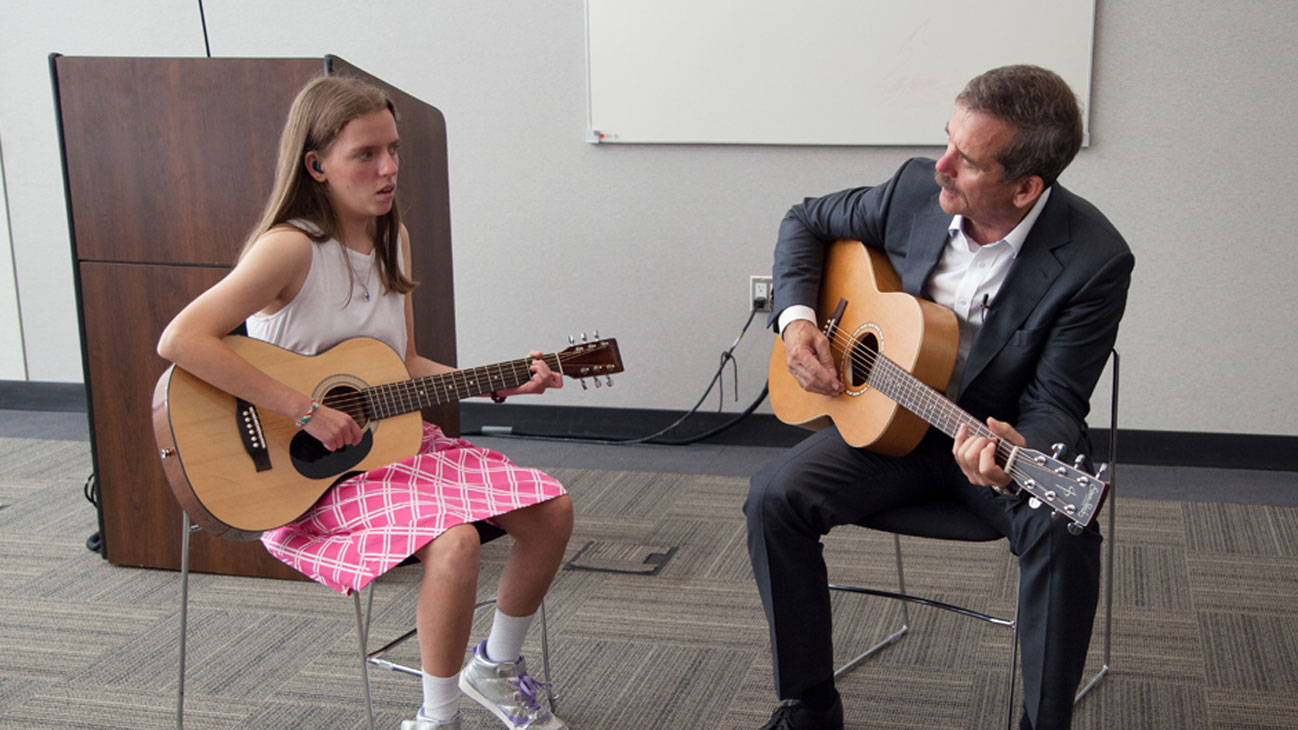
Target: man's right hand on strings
808, 357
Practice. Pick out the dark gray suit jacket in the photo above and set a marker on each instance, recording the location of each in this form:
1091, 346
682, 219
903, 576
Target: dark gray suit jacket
1049, 331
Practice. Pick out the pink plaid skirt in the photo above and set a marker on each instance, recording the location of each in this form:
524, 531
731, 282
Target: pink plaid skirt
368, 524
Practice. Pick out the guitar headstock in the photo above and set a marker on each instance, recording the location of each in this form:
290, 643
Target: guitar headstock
1066, 489
596, 359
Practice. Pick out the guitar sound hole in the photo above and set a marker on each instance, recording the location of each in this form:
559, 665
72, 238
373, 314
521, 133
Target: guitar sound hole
860, 361
348, 400
313, 461
305, 448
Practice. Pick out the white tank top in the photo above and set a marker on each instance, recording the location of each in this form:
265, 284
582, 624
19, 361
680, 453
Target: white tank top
322, 314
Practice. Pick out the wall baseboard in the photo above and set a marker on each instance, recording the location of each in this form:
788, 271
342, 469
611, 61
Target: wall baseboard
1156, 448
23, 395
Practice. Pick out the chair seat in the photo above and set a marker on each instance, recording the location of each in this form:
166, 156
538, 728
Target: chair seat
944, 520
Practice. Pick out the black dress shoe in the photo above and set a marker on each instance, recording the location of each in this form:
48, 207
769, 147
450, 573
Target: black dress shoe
795, 715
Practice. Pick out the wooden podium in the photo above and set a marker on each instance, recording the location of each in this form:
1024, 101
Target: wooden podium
167, 163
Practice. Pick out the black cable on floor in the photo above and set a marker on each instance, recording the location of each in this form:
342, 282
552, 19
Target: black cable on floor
94, 543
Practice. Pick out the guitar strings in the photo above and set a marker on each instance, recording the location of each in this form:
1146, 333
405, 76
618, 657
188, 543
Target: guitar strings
871, 360
355, 402
359, 397
466, 380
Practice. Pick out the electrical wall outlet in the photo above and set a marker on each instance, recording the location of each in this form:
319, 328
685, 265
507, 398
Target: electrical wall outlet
759, 293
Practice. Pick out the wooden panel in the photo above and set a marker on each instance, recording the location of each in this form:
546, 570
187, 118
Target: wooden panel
141, 518
169, 160
423, 192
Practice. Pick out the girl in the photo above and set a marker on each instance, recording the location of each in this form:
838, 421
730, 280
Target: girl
329, 261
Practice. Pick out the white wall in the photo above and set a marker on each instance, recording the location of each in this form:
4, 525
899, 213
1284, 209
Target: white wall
41, 252
11, 341
1191, 140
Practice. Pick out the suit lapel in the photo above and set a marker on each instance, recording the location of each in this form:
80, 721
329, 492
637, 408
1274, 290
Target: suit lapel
928, 237
1030, 277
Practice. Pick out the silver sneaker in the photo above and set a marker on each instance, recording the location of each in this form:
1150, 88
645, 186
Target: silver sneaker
511, 694
422, 723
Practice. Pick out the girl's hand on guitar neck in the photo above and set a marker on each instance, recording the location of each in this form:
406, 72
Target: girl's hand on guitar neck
808, 357
542, 379
976, 455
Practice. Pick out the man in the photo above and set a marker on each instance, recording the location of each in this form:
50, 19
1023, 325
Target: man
1038, 280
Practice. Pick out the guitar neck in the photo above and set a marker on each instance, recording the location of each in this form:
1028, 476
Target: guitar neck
395, 399
910, 393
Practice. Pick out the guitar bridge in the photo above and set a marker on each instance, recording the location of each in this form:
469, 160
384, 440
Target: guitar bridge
254, 441
831, 324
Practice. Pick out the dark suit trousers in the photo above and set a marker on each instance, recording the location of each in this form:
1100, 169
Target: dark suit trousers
822, 482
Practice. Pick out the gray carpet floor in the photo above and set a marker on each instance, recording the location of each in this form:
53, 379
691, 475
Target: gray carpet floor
1204, 624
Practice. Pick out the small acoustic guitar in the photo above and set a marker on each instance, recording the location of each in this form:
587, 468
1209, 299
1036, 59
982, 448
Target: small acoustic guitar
894, 353
239, 472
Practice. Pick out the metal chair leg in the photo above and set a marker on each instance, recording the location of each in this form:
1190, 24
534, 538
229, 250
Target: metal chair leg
901, 581
361, 633
1111, 506
545, 659
186, 530
905, 598
1108, 601
905, 616
369, 609
184, 616
1014, 663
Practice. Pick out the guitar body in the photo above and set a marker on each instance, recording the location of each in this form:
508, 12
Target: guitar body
920, 336
202, 436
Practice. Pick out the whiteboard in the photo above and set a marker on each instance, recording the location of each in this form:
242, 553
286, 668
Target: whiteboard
812, 72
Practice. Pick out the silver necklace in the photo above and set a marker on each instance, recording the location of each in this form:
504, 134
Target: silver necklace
365, 281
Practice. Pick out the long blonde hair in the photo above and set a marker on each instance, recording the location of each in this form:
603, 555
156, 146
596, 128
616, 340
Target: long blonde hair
319, 112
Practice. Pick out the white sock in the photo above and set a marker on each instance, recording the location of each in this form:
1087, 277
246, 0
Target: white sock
505, 642
441, 697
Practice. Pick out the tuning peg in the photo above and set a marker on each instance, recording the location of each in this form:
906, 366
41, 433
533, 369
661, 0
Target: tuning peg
1075, 529
572, 340
583, 384
1099, 473
596, 334
597, 383
608, 380
1079, 461
1034, 503
583, 336
1057, 449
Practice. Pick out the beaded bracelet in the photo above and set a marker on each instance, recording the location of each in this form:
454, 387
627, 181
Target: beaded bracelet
307, 416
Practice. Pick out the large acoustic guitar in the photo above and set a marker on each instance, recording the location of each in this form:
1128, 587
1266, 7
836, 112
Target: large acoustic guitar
238, 471
894, 353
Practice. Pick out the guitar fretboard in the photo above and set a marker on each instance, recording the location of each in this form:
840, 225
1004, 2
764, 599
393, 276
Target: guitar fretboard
914, 395
395, 399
